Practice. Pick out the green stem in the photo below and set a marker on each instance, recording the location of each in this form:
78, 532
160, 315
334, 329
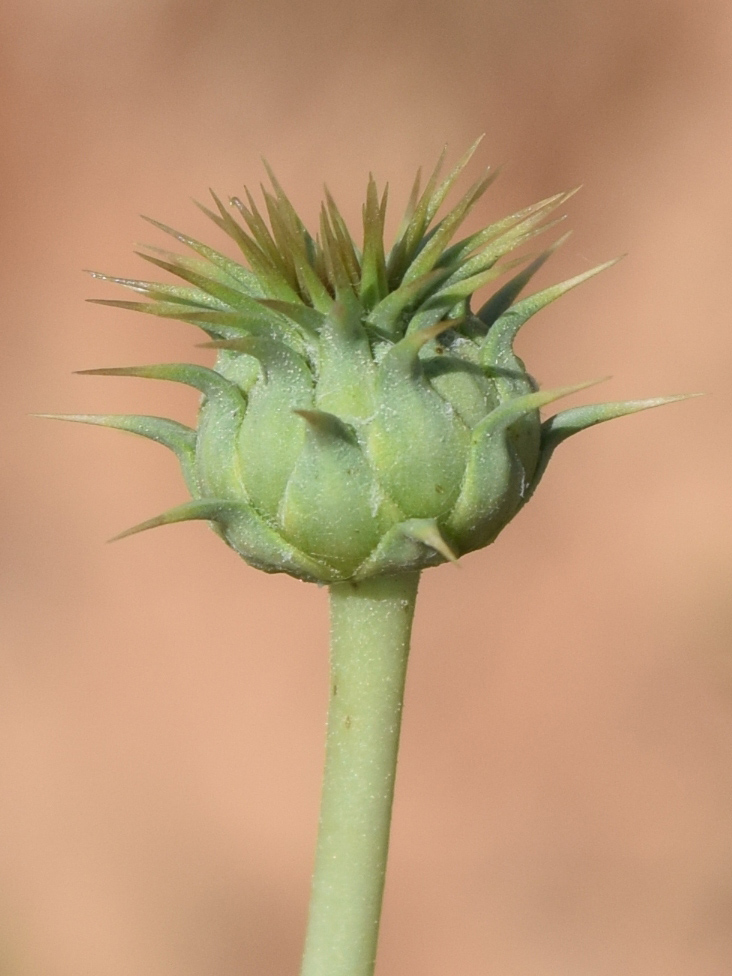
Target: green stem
371, 623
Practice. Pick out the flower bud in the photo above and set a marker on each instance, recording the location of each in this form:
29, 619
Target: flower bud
360, 418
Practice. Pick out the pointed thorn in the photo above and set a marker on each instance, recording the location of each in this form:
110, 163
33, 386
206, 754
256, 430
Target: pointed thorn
511, 410
152, 523
178, 235
427, 532
97, 275
435, 541
568, 422
108, 371
568, 194
326, 423
204, 509
559, 242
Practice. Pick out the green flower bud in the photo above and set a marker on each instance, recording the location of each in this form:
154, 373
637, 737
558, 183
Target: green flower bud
360, 419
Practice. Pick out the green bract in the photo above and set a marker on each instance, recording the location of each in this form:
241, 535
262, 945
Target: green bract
360, 418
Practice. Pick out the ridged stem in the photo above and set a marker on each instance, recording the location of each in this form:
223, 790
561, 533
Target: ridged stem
371, 624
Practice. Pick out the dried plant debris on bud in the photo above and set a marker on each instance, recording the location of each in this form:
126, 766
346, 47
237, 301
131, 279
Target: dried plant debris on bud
361, 418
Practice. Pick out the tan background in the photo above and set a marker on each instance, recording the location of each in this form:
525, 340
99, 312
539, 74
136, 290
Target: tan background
564, 801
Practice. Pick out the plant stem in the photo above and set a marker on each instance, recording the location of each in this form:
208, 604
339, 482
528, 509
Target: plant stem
371, 623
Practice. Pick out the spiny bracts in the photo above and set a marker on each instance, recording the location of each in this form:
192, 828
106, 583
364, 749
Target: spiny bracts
360, 418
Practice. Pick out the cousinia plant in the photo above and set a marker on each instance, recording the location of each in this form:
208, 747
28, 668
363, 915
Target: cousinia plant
361, 424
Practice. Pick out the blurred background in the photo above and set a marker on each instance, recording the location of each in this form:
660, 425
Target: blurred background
564, 801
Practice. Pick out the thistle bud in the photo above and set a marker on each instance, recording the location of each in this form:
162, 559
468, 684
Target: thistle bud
360, 419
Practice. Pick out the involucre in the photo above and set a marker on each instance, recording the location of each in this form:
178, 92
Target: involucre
361, 419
